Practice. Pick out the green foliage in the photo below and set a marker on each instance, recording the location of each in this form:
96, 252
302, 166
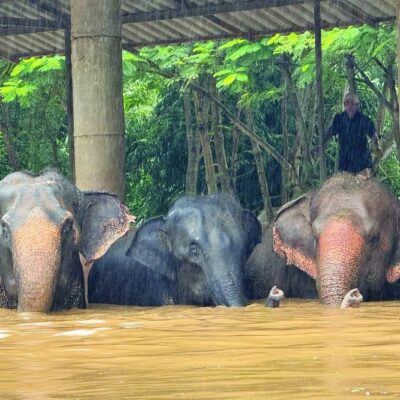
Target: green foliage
33, 113
389, 172
28, 76
156, 156
247, 74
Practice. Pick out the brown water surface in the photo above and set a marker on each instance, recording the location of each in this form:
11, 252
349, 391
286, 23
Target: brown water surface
302, 350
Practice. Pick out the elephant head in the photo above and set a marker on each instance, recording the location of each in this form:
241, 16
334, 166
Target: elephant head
213, 236
45, 223
345, 235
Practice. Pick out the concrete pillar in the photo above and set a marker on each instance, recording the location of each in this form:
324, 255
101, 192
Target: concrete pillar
97, 91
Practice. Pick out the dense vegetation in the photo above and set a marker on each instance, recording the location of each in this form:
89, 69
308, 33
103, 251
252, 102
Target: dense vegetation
245, 110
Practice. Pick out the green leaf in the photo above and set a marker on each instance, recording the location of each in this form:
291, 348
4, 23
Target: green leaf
232, 43
244, 50
229, 79
242, 77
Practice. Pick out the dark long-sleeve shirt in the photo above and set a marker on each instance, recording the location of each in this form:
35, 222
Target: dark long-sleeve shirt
354, 153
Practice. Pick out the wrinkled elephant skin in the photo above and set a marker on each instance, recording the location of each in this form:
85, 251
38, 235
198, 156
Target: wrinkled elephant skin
45, 223
344, 235
195, 255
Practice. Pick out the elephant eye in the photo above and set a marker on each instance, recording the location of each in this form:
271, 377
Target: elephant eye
67, 227
194, 250
375, 239
5, 231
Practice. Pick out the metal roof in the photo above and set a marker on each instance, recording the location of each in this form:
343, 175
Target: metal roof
36, 27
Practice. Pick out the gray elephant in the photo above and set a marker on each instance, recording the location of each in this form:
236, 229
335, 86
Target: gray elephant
265, 269
194, 255
344, 235
47, 225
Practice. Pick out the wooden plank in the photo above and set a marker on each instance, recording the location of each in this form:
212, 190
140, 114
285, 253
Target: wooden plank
210, 9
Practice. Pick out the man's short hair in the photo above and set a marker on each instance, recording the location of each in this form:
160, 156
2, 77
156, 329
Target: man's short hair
351, 96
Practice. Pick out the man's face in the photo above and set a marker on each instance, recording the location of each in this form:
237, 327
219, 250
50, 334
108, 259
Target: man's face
350, 106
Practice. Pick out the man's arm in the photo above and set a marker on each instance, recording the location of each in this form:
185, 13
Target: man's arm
327, 135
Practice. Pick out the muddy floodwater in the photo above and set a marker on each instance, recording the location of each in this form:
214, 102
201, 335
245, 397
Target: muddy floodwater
302, 350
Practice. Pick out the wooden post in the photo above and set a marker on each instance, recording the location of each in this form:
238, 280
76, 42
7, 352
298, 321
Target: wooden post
97, 88
320, 94
70, 108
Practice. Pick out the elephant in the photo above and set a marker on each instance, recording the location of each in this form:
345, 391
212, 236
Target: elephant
345, 235
265, 269
193, 255
121, 278
48, 227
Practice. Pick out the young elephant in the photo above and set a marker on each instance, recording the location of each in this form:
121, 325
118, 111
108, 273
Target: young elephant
345, 236
265, 269
195, 255
46, 223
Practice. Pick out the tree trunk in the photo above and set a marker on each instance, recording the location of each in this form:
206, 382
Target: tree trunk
219, 142
395, 114
380, 115
69, 99
202, 128
251, 134
285, 136
193, 147
97, 87
260, 170
301, 151
392, 105
319, 90
235, 151
351, 75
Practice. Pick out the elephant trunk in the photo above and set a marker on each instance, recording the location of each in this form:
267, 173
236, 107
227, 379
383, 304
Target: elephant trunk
36, 285
228, 290
340, 255
36, 260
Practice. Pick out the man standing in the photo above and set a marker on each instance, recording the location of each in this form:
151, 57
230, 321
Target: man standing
352, 128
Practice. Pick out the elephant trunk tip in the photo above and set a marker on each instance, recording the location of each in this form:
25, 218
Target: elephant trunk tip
274, 298
352, 299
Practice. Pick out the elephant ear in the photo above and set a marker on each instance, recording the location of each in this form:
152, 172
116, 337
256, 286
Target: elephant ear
293, 237
252, 231
152, 247
104, 219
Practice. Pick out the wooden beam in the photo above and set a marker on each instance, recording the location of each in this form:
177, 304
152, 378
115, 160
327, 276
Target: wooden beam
210, 9
212, 18
265, 32
21, 30
355, 12
53, 12
29, 22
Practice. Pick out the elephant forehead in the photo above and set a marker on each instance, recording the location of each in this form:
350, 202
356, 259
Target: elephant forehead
190, 220
27, 203
350, 204
204, 226
36, 232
